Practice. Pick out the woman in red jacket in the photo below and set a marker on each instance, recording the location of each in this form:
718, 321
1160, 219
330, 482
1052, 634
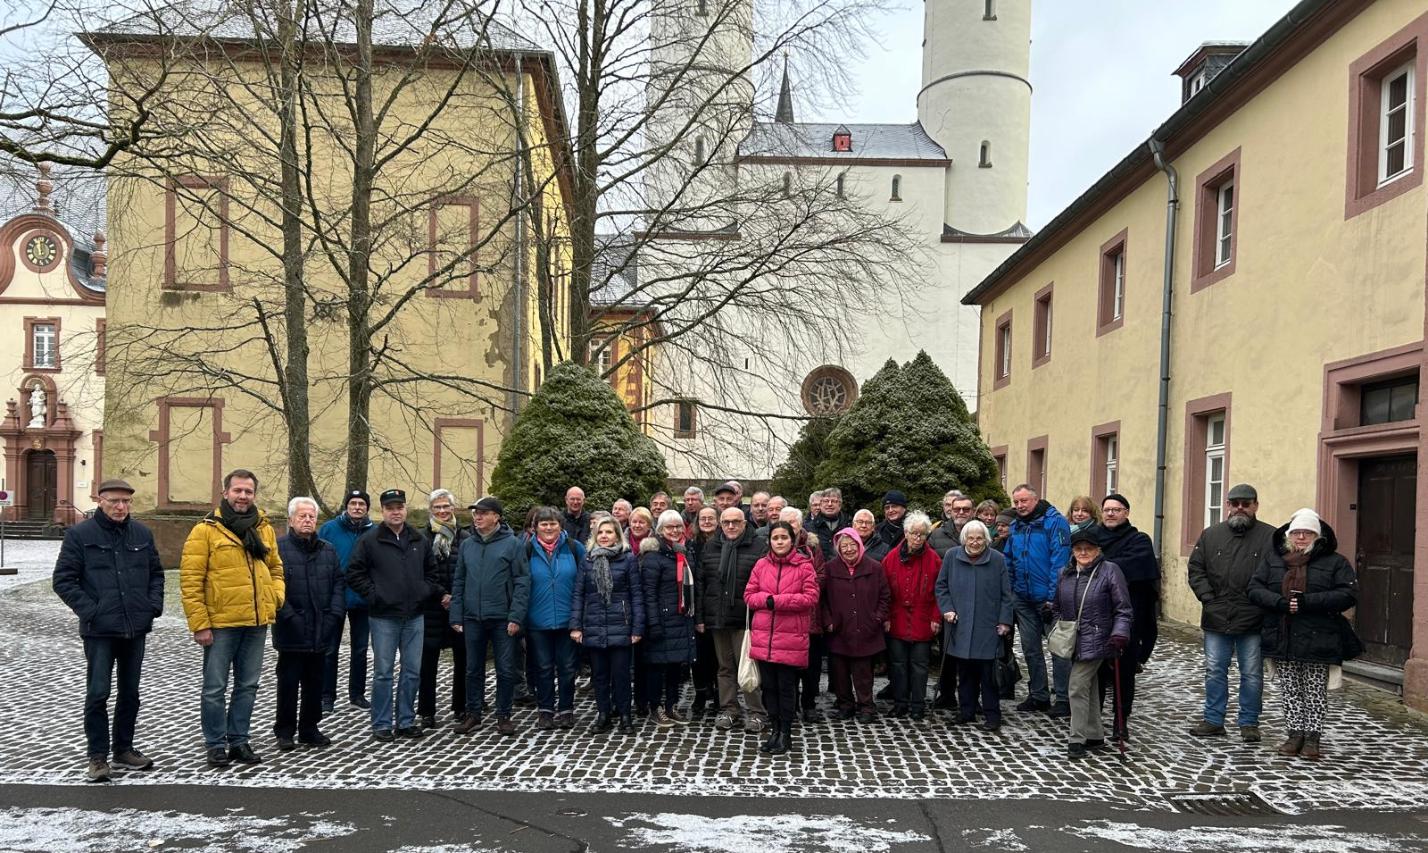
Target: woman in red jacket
853, 609
913, 619
782, 594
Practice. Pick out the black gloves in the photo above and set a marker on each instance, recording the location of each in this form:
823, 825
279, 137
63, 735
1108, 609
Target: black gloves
770, 603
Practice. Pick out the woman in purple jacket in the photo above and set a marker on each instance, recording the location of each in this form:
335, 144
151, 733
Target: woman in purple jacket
854, 606
1092, 591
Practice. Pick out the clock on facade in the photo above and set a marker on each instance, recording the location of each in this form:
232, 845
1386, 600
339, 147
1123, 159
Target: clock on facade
41, 250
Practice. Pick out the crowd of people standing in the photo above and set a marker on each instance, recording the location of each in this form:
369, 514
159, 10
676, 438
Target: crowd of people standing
745, 600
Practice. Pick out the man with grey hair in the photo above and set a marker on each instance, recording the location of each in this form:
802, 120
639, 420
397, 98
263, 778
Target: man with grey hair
829, 519
815, 500
1038, 548
576, 521
693, 503
621, 510
309, 623
725, 564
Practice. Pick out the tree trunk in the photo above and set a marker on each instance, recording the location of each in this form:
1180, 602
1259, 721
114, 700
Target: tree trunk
359, 298
583, 211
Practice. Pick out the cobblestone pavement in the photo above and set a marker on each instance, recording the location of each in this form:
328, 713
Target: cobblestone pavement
1377, 753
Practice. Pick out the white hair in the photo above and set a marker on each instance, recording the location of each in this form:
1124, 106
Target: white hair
916, 519
974, 525
694, 491
791, 513
867, 512
441, 493
299, 501
670, 516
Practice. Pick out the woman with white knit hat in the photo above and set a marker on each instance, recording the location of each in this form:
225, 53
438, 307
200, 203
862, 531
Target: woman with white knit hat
1304, 587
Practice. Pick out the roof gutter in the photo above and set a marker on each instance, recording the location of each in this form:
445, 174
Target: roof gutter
1167, 292
1103, 193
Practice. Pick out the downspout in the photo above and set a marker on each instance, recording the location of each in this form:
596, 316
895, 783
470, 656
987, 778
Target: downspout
1162, 418
519, 267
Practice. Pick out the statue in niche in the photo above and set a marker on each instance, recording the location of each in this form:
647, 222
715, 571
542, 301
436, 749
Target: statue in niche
37, 406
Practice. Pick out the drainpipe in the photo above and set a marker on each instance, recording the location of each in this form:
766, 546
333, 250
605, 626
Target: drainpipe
518, 325
1162, 418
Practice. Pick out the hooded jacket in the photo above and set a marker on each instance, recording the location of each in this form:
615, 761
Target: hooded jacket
492, 579
1038, 547
854, 603
780, 633
912, 582
224, 586
1318, 633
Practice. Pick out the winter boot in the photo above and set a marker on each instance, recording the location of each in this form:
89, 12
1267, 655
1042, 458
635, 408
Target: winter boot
785, 738
701, 700
1311, 746
767, 747
1293, 744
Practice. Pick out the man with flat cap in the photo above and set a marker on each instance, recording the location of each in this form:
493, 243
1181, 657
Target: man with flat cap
108, 573
490, 591
394, 569
1224, 560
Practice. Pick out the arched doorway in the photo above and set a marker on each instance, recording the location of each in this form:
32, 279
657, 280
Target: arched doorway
41, 484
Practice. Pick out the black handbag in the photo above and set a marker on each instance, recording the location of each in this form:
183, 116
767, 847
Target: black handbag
1350, 646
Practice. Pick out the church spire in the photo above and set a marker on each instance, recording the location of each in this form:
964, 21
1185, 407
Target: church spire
784, 115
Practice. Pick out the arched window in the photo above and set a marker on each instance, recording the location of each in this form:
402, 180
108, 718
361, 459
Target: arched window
838, 184
896, 188
989, 12
788, 183
985, 160
828, 390
699, 151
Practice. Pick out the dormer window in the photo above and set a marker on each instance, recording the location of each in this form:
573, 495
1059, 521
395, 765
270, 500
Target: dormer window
842, 139
1198, 81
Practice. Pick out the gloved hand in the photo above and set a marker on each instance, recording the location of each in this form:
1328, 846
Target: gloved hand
1119, 643
1048, 615
770, 603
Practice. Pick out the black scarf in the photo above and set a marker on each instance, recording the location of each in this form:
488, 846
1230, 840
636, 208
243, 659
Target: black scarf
244, 525
728, 565
356, 525
309, 544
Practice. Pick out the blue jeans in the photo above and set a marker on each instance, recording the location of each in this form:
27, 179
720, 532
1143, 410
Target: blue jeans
104, 655
503, 649
1033, 640
389, 636
239, 651
1218, 650
553, 654
360, 631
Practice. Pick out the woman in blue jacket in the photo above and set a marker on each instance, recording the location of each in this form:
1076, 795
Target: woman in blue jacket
607, 617
554, 560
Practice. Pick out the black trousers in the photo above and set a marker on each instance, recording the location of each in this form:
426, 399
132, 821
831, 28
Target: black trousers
611, 672
430, 659
706, 664
300, 674
978, 680
104, 655
661, 685
779, 683
810, 677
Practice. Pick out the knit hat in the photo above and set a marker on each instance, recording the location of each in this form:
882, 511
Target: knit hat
1113, 496
356, 493
895, 497
1306, 519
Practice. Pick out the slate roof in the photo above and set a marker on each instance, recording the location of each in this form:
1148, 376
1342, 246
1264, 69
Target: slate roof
79, 201
614, 273
815, 141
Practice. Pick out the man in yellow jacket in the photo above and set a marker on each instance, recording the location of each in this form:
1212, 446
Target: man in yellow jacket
231, 579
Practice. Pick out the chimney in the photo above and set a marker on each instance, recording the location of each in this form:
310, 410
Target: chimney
1208, 60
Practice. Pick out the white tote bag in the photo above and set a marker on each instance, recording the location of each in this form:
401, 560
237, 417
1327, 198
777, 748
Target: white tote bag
748, 667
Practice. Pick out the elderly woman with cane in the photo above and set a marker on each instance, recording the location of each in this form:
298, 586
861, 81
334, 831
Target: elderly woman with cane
1093, 610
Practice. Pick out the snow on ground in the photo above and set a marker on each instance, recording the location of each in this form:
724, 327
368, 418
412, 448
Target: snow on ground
35, 558
72, 830
1242, 839
691, 833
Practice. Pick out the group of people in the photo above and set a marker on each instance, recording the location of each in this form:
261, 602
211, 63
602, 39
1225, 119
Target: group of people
646, 597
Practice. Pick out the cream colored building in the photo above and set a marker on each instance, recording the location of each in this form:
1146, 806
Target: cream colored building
1296, 331
52, 290
455, 264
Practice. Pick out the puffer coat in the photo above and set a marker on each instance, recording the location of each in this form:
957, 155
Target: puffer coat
1318, 633
110, 576
721, 593
609, 624
1107, 612
854, 605
222, 585
780, 635
311, 617
912, 581
670, 637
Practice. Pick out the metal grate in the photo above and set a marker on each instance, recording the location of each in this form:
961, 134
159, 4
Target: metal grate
1222, 803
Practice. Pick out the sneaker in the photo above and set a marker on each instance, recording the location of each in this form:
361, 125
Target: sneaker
243, 754
565, 720
505, 726
317, 739
545, 721
753, 725
385, 735
1032, 705
468, 724
133, 759
218, 757
98, 769
1077, 750
286, 744
724, 722
661, 718
359, 702
1249, 734
412, 732
676, 718
427, 721
1205, 728
1060, 711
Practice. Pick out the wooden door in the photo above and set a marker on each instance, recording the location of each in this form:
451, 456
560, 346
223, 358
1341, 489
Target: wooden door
1387, 499
41, 484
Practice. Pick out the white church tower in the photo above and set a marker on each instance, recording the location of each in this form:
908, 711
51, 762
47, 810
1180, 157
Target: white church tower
976, 103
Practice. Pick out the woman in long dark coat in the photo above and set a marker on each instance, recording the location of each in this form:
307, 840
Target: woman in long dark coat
853, 608
668, 579
446, 534
705, 671
975, 598
607, 617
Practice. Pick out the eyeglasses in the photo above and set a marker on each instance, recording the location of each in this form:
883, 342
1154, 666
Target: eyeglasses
734, 522
915, 534
1241, 503
1112, 510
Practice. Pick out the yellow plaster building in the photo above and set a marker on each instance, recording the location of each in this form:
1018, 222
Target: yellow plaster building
469, 241
1296, 326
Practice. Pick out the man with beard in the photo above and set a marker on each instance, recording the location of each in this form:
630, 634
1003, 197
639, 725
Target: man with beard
956, 512
1224, 560
342, 534
1133, 551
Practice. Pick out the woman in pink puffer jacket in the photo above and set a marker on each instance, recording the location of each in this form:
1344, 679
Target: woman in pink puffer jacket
782, 593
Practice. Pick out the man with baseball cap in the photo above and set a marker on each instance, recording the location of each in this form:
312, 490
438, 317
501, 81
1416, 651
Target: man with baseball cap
394, 569
490, 592
108, 573
342, 534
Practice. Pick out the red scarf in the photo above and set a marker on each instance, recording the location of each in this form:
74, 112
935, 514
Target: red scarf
680, 568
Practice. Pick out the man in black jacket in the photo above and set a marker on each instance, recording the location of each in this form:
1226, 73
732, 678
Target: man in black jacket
576, 521
724, 568
1133, 551
108, 573
830, 519
394, 569
1225, 558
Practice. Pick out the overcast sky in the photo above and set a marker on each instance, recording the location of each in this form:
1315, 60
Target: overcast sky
1101, 72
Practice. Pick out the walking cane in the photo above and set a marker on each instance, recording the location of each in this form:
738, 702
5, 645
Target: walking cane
1120, 722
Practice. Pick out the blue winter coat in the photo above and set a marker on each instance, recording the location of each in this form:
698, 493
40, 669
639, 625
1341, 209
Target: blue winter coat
311, 617
110, 576
979, 592
343, 539
1037, 549
492, 579
606, 625
552, 583
671, 633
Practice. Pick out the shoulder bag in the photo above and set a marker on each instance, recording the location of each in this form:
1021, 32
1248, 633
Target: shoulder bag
1062, 639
